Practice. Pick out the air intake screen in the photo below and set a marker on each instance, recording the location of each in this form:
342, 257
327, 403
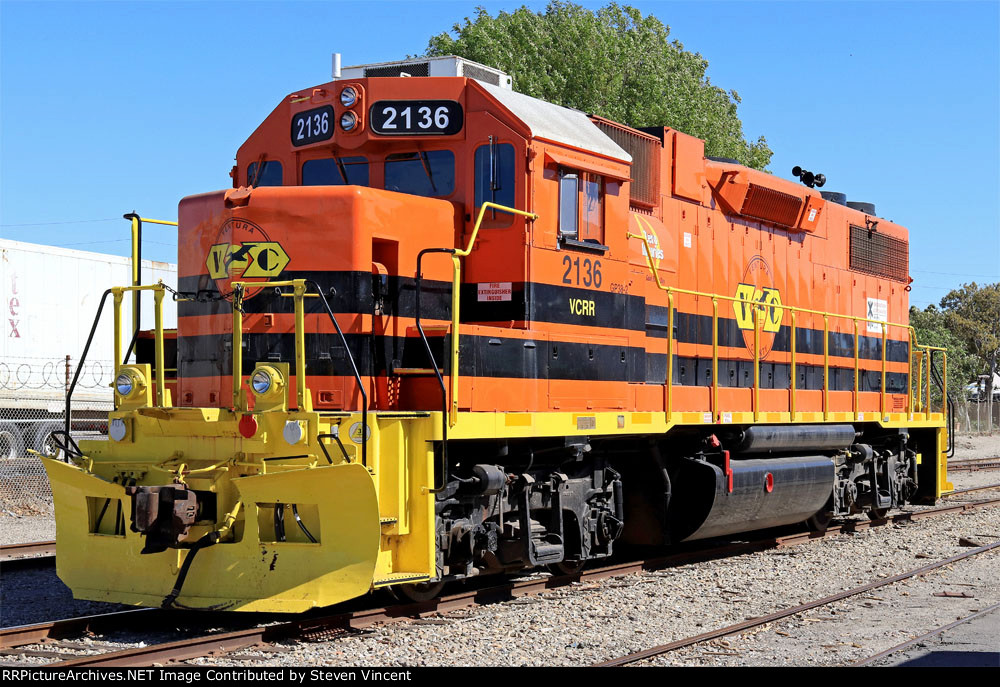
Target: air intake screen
413, 69
474, 72
879, 254
645, 152
771, 206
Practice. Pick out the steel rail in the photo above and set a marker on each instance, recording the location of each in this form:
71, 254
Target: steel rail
927, 635
972, 467
36, 549
21, 635
966, 491
778, 615
333, 625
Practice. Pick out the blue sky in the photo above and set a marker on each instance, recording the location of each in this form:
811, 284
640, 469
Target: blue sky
109, 107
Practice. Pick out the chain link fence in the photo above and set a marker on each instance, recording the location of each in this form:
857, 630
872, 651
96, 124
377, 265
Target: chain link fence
32, 407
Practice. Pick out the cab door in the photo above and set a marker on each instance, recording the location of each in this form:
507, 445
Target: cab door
494, 279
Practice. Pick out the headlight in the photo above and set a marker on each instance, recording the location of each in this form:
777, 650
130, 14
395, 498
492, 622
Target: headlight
261, 382
268, 385
124, 384
348, 121
348, 97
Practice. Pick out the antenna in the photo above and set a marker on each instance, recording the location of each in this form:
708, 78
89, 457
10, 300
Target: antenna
336, 65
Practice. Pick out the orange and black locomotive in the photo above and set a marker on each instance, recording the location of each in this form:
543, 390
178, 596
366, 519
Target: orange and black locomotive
439, 329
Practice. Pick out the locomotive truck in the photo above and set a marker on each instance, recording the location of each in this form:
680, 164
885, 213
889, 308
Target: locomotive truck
440, 329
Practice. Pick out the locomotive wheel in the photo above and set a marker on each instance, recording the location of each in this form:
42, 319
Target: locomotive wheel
418, 592
820, 521
566, 567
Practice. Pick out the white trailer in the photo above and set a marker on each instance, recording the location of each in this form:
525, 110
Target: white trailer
50, 297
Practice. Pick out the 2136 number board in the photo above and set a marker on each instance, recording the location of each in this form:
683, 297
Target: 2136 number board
416, 117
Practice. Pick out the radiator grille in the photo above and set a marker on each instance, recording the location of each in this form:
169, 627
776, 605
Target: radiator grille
879, 254
771, 206
645, 152
411, 68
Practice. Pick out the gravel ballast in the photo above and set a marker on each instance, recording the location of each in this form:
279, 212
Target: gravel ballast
602, 620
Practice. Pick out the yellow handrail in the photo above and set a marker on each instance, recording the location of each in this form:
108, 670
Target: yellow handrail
456, 297
118, 294
136, 267
298, 293
884, 326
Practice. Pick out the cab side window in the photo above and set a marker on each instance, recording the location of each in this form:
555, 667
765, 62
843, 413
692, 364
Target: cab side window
592, 215
569, 204
270, 174
495, 179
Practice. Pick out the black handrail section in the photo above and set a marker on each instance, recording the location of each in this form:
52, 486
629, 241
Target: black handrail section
79, 369
437, 371
354, 368
950, 451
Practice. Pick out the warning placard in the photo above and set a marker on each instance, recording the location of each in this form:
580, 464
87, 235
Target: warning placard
877, 310
495, 291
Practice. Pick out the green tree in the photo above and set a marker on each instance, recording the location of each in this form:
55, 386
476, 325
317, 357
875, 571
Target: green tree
932, 329
614, 63
972, 312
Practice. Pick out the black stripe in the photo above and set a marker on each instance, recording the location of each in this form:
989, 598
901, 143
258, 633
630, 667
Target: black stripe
734, 373
479, 356
347, 292
354, 295
697, 329
493, 357
534, 302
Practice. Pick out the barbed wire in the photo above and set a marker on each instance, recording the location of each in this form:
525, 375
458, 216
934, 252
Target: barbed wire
39, 374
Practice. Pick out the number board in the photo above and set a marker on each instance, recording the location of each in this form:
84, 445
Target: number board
312, 126
416, 117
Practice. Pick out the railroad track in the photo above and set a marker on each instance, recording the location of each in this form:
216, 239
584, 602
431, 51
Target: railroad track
763, 620
974, 464
924, 637
14, 554
329, 626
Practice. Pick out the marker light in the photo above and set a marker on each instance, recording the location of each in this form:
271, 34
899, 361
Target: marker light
348, 121
348, 97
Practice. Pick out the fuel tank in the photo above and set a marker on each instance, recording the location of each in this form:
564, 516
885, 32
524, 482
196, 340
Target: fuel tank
752, 494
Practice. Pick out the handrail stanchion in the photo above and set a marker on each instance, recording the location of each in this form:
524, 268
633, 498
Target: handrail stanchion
930, 363
756, 364
909, 372
299, 290
670, 357
161, 375
117, 295
944, 382
883, 406
826, 367
715, 359
237, 346
794, 373
857, 372
919, 386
